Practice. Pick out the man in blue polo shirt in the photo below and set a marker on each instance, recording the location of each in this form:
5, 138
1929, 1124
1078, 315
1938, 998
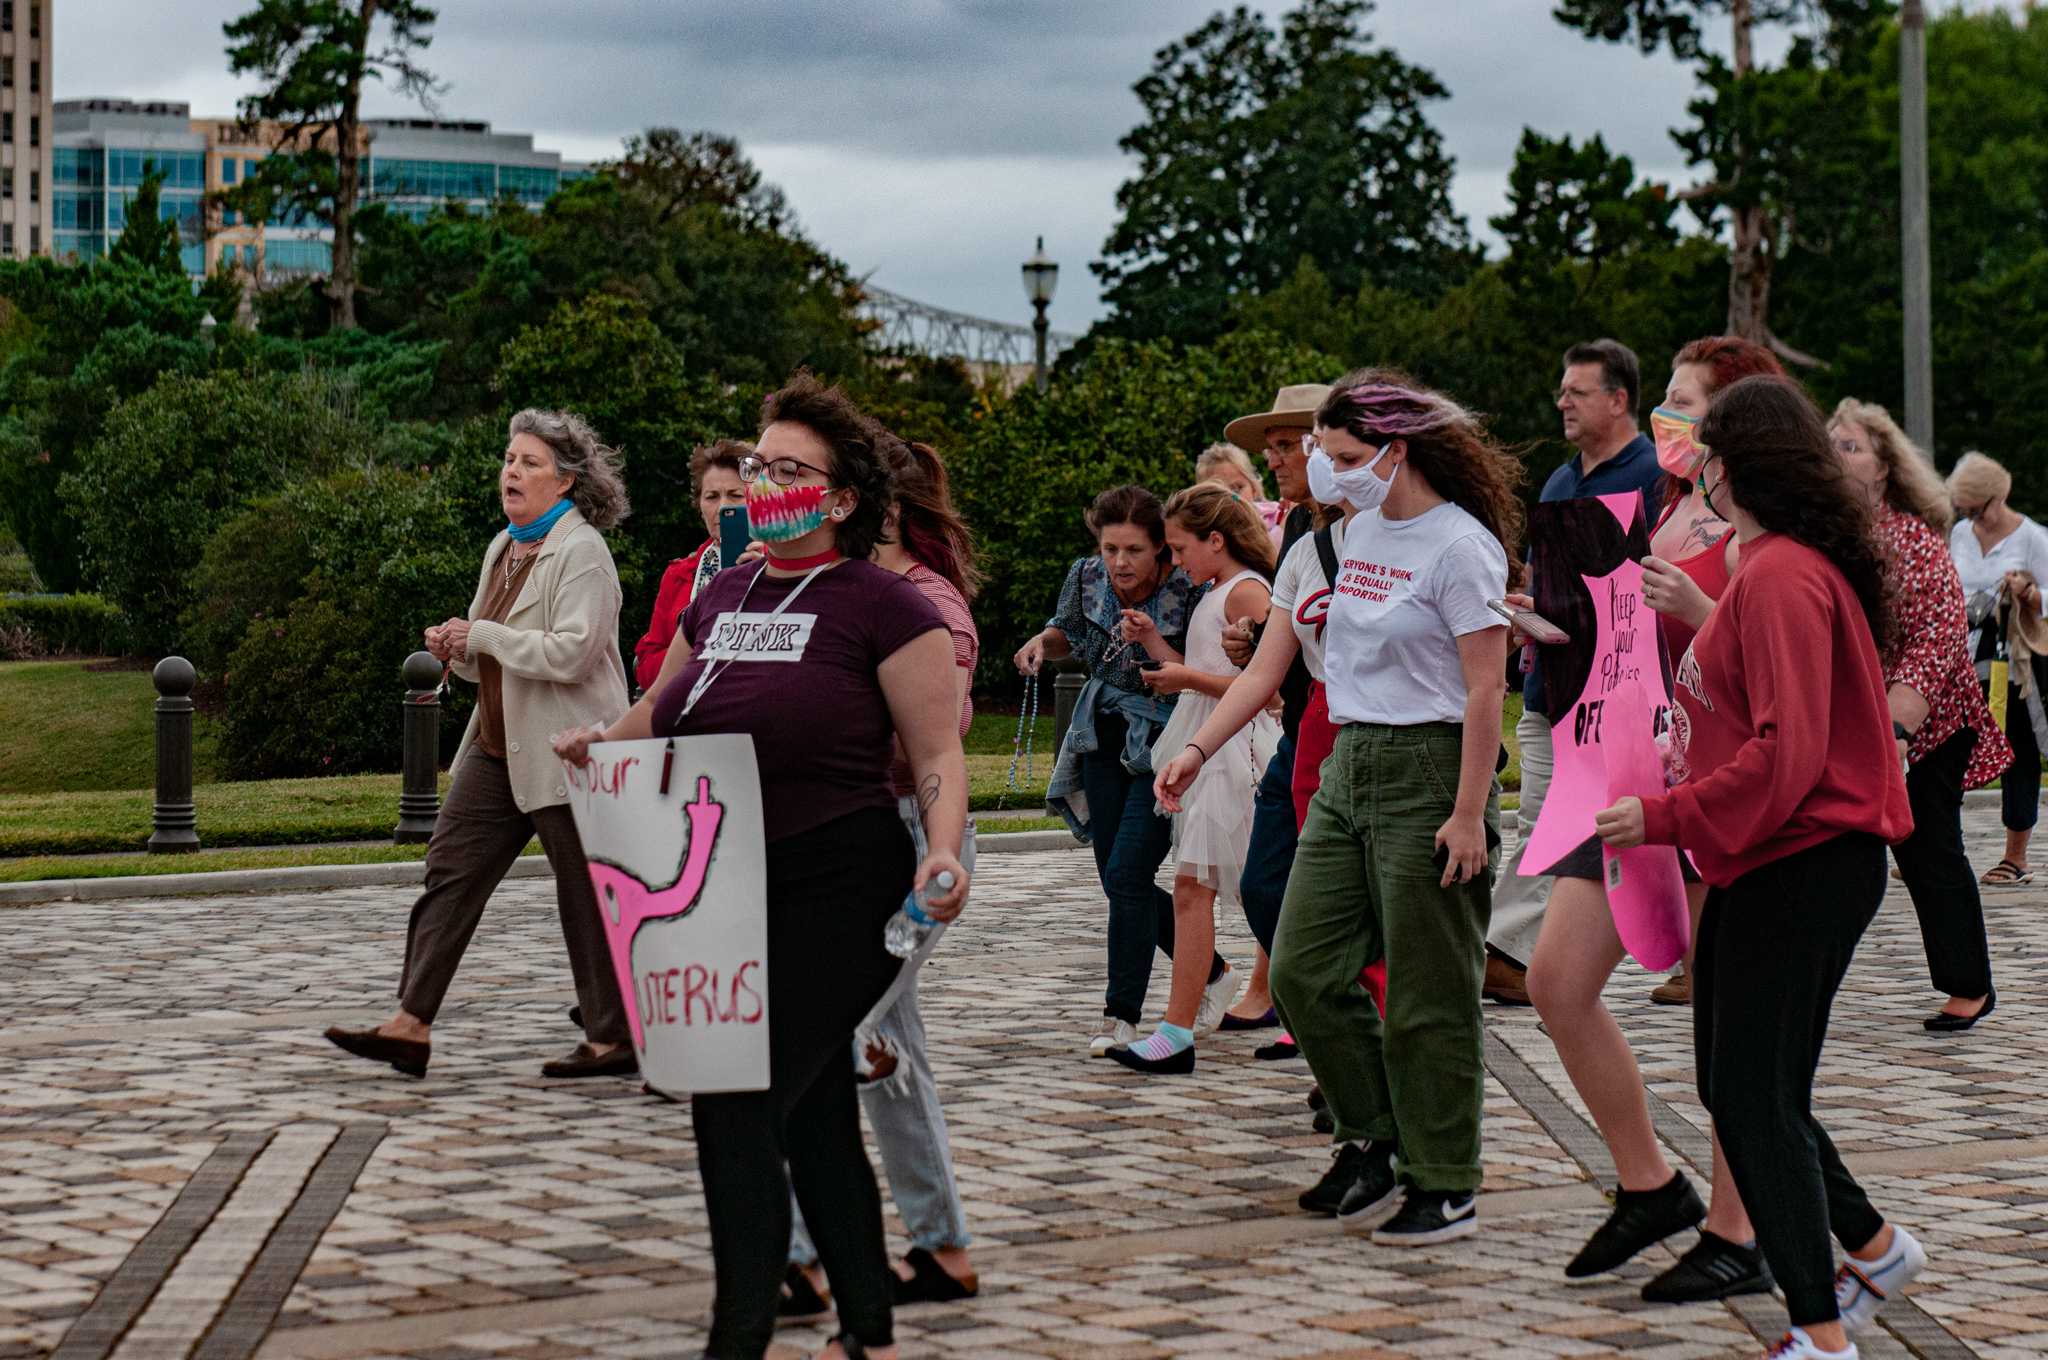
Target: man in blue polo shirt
1597, 399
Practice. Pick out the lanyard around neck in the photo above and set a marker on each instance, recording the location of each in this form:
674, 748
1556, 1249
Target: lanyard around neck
712, 669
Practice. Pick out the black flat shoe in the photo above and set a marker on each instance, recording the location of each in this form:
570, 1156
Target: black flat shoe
1237, 1023
407, 1055
800, 1298
586, 1061
929, 1281
1715, 1268
1172, 1065
1941, 1022
1276, 1052
1640, 1218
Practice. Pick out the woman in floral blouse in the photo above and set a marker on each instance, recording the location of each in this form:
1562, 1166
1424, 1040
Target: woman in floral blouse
1946, 733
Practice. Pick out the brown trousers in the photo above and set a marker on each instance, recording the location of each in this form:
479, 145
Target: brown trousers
478, 837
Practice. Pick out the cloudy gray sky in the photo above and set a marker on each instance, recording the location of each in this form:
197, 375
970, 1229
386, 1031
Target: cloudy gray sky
925, 142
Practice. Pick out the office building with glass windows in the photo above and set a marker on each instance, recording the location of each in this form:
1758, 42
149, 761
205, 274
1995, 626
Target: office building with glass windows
25, 127
411, 165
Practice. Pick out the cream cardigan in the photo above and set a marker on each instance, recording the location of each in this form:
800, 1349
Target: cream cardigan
558, 653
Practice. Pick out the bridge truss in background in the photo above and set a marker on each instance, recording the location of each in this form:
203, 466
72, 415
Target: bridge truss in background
909, 324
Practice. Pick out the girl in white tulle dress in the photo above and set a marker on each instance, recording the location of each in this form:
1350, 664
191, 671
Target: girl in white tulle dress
1219, 541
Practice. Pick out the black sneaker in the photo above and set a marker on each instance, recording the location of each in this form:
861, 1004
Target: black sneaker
1360, 1175
1428, 1216
1640, 1218
1715, 1268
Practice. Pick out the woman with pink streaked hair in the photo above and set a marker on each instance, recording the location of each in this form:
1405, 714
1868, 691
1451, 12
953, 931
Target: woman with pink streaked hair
1394, 855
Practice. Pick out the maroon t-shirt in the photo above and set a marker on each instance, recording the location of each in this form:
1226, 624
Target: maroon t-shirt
804, 686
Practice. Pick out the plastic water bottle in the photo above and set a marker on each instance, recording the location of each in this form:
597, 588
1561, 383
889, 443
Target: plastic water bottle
910, 927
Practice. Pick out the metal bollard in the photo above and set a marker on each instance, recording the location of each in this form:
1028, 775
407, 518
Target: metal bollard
1066, 692
174, 819
419, 798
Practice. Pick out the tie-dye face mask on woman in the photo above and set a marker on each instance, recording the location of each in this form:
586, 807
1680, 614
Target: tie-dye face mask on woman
778, 514
1678, 453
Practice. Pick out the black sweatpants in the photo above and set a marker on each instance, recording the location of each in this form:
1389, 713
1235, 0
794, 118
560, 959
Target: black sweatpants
1937, 871
830, 893
1773, 948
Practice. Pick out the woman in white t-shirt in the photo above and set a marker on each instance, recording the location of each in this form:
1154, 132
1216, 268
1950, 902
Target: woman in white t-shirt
2002, 557
1393, 857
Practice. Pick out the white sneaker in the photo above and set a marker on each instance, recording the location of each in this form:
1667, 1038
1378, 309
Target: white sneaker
1797, 1345
1112, 1033
1217, 998
1862, 1287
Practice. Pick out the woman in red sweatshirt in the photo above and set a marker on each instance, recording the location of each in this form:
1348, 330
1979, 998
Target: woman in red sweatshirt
1793, 791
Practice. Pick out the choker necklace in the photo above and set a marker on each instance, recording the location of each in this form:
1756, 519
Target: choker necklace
825, 558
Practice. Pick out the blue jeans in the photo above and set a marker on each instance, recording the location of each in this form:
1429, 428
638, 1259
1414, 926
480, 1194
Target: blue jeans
1131, 840
908, 1123
1263, 886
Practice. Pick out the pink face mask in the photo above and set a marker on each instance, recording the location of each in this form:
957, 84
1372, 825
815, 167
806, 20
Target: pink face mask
1678, 453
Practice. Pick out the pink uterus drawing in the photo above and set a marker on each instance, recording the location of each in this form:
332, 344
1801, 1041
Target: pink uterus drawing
626, 902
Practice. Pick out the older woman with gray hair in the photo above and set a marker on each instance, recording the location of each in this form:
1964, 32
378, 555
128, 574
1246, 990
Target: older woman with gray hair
2002, 558
541, 644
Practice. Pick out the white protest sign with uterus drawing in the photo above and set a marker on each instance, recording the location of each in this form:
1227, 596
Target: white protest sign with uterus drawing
672, 829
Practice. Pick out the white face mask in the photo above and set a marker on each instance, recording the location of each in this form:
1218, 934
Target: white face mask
1356, 487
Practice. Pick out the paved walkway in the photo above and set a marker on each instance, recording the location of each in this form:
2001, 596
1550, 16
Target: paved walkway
187, 1169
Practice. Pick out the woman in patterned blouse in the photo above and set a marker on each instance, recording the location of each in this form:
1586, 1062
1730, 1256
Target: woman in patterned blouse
1946, 733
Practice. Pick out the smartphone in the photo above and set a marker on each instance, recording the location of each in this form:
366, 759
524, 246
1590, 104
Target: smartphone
1150, 665
733, 534
1531, 623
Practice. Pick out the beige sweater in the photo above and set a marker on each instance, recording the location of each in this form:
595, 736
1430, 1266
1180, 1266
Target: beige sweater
559, 654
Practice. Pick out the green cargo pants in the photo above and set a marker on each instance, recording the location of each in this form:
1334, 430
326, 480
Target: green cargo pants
1364, 886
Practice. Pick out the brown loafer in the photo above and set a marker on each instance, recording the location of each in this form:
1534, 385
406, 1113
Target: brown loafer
1675, 990
586, 1061
407, 1055
1505, 984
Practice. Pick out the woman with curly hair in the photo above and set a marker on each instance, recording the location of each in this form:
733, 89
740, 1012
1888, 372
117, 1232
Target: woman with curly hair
541, 644
1794, 789
1393, 856
1945, 730
861, 663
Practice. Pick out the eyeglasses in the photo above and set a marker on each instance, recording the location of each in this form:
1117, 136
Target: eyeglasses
1847, 448
782, 471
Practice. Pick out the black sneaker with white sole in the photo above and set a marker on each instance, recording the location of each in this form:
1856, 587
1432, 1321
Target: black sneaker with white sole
1361, 1175
1428, 1216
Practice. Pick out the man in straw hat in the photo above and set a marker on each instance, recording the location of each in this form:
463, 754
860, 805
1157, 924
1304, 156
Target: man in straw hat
1279, 433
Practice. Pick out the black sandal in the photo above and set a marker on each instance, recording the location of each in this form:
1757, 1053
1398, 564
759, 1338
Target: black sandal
929, 1281
800, 1298
850, 1346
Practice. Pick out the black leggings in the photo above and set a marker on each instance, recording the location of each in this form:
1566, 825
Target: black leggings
1773, 948
830, 892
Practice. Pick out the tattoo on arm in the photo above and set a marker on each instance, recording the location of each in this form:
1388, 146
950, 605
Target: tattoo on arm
928, 793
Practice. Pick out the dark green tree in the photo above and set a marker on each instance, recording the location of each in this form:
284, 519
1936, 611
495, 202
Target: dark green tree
312, 57
678, 172
1578, 205
147, 236
1261, 147
1760, 133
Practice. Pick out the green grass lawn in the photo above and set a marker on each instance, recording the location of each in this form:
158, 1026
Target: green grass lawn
67, 728
90, 727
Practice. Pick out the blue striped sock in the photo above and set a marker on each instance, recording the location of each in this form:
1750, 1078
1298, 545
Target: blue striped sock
1166, 1041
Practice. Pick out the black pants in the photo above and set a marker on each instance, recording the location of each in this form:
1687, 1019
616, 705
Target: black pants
830, 893
2019, 788
1937, 871
1773, 948
1131, 841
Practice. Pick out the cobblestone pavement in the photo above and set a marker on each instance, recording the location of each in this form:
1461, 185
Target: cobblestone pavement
172, 1122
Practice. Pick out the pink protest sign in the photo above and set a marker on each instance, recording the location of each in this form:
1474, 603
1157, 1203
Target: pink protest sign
673, 833
1604, 691
1645, 889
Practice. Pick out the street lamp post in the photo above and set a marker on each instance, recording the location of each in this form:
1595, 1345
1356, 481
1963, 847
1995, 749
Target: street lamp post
1918, 290
1041, 276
